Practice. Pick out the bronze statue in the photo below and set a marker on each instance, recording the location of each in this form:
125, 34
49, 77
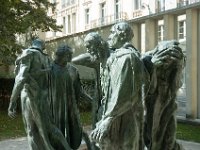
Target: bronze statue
96, 56
126, 85
32, 69
121, 80
166, 57
165, 64
63, 99
98, 53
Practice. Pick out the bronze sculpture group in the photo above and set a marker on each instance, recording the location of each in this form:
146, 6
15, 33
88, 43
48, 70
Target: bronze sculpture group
135, 94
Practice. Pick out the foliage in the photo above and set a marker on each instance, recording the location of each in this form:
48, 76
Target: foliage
6, 87
20, 17
86, 118
89, 88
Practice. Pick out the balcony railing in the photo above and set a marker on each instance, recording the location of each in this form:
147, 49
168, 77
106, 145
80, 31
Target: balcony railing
180, 4
137, 13
194, 1
69, 3
183, 3
107, 20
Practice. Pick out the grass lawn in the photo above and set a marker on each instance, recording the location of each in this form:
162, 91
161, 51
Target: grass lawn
188, 132
12, 128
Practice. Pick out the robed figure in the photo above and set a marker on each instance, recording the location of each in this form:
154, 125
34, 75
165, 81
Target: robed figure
63, 101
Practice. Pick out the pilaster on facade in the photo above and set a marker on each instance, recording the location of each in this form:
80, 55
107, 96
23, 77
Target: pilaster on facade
191, 63
170, 25
151, 33
137, 35
198, 56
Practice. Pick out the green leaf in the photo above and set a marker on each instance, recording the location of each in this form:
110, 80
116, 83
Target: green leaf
22, 18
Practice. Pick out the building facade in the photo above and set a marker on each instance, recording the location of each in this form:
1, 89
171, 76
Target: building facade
152, 21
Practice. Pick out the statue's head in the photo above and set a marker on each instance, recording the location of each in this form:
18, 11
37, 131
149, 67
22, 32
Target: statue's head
120, 34
38, 44
63, 55
94, 43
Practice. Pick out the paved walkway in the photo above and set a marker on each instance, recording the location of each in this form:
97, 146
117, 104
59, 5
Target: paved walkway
21, 144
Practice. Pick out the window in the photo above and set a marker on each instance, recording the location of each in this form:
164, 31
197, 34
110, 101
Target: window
137, 4
63, 3
102, 13
161, 5
117, 9
143, 38
69, 23
87, 16
181, 29
183, 3
67, 2
74, 22
73, 1
64, 25
160, 30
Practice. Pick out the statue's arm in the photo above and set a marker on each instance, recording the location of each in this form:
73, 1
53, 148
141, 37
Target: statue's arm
151, 70
122, 83
20, 79
85, 59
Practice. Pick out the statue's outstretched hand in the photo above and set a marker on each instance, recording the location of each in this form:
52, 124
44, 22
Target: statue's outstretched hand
101, 130
12, 109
